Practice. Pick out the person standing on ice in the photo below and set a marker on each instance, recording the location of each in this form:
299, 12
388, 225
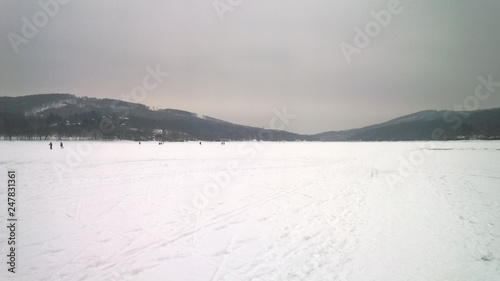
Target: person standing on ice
50, 145
62, 146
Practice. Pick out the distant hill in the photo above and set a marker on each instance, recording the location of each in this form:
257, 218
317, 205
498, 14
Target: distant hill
65, 116
426, 125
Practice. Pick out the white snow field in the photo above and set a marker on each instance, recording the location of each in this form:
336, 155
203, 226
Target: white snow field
253, 211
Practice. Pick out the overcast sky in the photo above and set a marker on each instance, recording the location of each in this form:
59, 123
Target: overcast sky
238, 60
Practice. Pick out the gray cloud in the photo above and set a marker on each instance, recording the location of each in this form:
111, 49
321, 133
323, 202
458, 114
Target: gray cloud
264, 54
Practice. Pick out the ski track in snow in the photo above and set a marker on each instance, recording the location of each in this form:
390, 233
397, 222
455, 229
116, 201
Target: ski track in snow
290, 211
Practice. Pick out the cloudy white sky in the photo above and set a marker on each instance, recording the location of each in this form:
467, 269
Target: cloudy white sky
240, 63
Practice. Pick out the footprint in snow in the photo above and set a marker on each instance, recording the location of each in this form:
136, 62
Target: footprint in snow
488, 257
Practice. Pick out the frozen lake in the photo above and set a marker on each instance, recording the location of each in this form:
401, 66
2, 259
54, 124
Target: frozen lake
254, 211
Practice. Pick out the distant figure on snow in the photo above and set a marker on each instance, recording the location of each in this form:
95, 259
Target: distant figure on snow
62, 146
50, 145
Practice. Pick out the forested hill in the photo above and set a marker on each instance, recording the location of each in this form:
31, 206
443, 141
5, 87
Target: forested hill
65, 116
426, 125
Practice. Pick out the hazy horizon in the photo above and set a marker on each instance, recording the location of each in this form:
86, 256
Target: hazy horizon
333, 65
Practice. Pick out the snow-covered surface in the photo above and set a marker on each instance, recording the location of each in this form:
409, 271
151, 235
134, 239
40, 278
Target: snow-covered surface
52, 105
254, 211
427, 115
